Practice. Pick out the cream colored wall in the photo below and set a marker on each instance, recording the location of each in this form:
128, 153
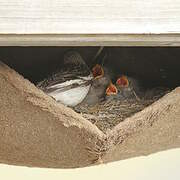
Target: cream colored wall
163, 165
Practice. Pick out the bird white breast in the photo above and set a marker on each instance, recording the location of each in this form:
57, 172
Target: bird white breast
71, 97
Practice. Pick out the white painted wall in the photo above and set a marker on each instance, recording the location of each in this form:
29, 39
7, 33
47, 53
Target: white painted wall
163, 165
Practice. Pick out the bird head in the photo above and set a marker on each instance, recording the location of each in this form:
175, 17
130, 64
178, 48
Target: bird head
98, 71
111, 90
122, 82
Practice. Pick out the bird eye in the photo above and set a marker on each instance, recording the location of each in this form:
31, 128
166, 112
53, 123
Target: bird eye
97, 71
122, 81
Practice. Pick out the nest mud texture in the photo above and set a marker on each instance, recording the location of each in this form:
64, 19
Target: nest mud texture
36, 131
111, 112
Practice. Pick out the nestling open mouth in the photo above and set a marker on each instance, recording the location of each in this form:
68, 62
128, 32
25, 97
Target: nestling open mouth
122, 81
111, 90
97, 71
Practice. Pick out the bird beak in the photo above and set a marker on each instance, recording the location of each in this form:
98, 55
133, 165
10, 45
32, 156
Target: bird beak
122, 81
111, 90
98, 71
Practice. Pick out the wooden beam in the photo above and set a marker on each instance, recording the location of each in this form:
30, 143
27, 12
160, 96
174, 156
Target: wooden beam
86, 17
90, 40
89, 23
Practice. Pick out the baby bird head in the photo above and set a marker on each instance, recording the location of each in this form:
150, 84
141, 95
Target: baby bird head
98, 71
111, 90
122, 82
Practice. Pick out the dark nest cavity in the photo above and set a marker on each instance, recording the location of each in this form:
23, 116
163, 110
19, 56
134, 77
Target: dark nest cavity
155, 66
111, 112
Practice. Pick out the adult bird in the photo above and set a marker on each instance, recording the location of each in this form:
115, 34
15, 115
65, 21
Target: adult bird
71, 84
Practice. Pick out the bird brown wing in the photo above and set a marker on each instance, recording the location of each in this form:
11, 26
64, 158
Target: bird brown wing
74, 67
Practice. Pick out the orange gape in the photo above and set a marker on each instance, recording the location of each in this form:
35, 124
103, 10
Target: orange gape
97, 71
111, 90
122, 81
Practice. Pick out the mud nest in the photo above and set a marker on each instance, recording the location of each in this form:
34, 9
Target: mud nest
111, 112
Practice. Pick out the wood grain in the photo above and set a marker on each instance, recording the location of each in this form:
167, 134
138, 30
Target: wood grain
90, 40
82, 17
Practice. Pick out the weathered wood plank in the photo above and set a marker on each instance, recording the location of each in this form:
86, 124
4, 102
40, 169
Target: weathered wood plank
81, 17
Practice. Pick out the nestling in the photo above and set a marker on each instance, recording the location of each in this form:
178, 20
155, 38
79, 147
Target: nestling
98, 86
128, 87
